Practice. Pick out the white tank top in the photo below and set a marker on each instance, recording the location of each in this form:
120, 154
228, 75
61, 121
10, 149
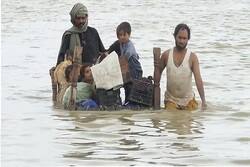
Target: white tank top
179, 81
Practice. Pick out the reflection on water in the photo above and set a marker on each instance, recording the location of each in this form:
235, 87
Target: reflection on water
122, 136
34, 133
184, 126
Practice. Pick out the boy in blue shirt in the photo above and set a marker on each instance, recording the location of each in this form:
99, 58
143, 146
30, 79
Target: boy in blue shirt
124, 47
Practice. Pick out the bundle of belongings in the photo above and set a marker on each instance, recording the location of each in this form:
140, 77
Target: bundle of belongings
111, 74
108, 79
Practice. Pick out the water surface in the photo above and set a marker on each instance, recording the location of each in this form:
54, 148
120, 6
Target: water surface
34, 133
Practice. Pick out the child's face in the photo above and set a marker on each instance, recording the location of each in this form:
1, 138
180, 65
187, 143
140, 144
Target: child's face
123, 36
88, 74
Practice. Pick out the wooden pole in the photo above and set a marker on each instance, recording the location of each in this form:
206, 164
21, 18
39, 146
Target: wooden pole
76, 67
157, 89
53, 83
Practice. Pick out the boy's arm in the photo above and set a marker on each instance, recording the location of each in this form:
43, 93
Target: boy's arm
115, 47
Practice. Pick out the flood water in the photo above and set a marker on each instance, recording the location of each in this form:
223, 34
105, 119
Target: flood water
35, 133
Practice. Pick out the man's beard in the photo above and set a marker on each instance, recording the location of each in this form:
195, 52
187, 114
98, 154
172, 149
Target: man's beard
180, 47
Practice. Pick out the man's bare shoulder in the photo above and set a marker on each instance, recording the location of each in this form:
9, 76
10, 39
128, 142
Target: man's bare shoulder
166, 53
164, 58
193, 56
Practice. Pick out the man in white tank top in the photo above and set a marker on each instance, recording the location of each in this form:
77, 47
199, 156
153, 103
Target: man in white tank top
181, 63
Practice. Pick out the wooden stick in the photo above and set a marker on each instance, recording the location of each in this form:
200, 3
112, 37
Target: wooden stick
53, 83
157, 89
76, 67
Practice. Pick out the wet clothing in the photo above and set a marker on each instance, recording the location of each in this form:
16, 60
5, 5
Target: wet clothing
192, 105
89, 40
128, 49
83, 92
86, 104
179, 81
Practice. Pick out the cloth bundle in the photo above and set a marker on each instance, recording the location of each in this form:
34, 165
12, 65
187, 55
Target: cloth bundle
107, 74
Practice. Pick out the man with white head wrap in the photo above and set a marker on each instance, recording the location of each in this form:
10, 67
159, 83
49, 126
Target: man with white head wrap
82, 35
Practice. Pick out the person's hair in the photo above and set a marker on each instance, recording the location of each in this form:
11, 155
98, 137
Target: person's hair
124, 26
69, 54
68, 70
82, 70
181, 27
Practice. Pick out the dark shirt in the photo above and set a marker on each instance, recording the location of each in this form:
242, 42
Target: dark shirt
91, 43
115, 47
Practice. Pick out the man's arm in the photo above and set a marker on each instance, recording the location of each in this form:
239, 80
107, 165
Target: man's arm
64, 47
161, 66
198, 80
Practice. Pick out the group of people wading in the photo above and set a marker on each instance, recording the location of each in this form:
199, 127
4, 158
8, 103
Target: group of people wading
181, 64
